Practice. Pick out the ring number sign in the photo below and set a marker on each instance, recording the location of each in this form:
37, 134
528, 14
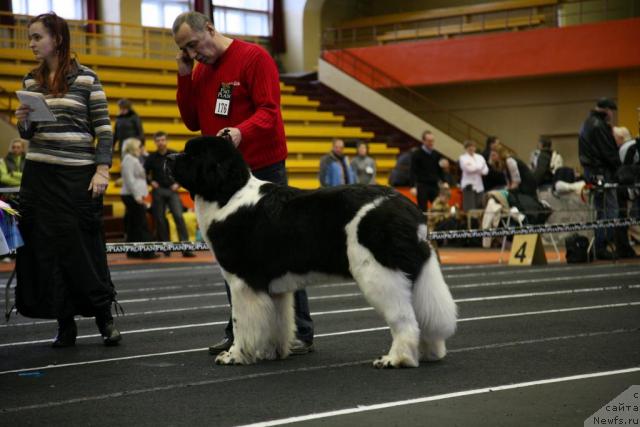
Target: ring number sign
527, 249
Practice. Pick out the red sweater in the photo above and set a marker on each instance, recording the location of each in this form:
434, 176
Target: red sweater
255, 102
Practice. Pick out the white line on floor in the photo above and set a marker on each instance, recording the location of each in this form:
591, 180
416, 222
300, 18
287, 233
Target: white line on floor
386, 405
349, 295
349, 332
253, 376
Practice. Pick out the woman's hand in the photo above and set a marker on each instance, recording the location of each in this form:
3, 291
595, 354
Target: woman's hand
100, 181
22, 113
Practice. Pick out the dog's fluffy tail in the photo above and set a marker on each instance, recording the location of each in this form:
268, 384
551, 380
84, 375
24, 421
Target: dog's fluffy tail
433, 304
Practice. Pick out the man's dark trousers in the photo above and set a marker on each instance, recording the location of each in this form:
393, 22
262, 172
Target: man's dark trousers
277, 174
163, 198
427, 192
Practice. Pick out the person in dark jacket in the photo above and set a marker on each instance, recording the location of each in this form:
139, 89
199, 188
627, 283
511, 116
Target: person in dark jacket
598, 155
426, 173
16, 156
128, 125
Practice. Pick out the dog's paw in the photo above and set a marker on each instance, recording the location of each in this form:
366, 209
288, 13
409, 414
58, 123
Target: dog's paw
268, 354
225, 358
433, 351
389, 362
384, 362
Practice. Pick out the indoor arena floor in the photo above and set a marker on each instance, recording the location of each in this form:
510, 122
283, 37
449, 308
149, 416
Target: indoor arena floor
535, 346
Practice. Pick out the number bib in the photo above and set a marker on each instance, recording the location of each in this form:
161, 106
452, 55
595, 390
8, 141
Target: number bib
223, 101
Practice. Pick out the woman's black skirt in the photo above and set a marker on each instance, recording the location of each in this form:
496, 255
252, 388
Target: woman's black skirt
62, 268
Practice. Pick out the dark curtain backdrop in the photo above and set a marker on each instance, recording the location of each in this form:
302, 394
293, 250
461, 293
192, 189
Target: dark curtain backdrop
5, 6
204, 7
278, 44
92, 15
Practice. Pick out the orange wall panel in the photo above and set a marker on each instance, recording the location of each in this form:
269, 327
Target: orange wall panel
609, 45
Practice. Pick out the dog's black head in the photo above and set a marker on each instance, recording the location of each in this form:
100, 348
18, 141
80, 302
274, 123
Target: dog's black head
209, 167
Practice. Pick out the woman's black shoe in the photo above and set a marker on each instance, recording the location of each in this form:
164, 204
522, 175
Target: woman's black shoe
110, 334
67, 332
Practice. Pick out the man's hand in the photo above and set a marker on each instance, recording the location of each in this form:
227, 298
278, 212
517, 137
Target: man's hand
234, 134
185, 64
413, 191
175, 187
154, 184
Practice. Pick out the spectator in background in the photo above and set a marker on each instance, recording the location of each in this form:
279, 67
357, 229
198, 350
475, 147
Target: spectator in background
598, 154
628, 198
12, 165
164, 193
518, 175
491, 144
133, 192
442, 216
494, 179
400, 175
447, 176
473, 167
9, 179
545, 162
16, 156
363, 165
128, 125
426, 173
335, 168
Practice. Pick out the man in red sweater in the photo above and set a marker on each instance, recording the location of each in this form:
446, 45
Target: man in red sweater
235, 88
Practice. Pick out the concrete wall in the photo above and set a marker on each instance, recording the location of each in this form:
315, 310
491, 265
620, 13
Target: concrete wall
591, 10
8, 132
303, 34
519, 111
629, 100
392, 113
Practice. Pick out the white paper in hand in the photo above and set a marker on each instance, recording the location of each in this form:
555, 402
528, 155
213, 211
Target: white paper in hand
35, 100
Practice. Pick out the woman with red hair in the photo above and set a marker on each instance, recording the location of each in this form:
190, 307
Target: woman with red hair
62, 268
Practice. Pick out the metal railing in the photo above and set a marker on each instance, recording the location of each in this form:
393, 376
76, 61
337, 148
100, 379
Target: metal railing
91, 37
408, 98
565, 13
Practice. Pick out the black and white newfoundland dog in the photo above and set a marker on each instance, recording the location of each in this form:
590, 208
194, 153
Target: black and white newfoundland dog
271, 240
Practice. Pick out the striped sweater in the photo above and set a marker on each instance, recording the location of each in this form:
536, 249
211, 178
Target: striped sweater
82, 116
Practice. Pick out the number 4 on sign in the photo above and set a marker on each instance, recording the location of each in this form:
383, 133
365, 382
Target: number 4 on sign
527, 249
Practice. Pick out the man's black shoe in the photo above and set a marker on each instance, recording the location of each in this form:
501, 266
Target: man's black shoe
299, 347
222, 345
188, 254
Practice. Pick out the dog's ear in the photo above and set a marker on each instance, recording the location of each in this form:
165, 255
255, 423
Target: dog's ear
219, 168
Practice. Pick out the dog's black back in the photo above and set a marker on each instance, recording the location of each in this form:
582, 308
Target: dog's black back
295, 231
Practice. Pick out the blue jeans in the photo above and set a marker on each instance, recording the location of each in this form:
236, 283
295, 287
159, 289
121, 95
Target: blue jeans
277, 174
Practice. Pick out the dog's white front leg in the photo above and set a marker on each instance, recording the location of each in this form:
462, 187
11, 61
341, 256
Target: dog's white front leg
252, 314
